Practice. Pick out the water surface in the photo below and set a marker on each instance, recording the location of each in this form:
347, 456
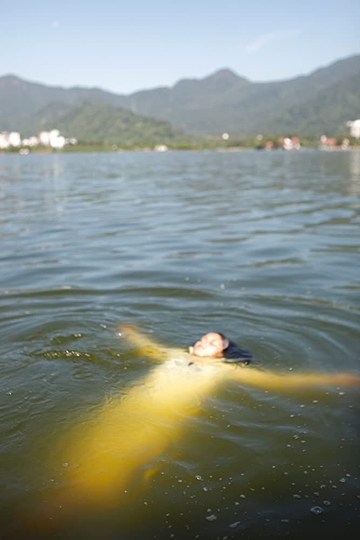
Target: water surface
261, 246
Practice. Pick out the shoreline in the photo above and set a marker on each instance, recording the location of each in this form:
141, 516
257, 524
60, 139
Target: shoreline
99, 149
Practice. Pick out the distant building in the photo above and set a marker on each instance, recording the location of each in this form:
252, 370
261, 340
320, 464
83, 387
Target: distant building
323, 139
31, 141
52, 138
56, 140
161, 148
354, 128
296, 142
10, 139
44, 138
328, 142
290, 144
14, 139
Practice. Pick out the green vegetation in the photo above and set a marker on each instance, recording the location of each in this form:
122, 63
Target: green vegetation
306, 106
188, 143
327, 112
91, 122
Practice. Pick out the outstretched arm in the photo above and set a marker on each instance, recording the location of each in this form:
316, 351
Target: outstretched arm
142, 343
287, 381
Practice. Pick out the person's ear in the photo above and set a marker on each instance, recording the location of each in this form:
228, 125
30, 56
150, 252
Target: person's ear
226, 343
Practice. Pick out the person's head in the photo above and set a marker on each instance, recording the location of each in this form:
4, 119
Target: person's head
211, 345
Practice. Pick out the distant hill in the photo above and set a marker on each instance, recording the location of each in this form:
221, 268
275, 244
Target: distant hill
20, 99
226, 102
326, 112
320, 102
94, 121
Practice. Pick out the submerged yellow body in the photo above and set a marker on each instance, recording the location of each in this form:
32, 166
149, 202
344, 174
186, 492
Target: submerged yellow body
130, 432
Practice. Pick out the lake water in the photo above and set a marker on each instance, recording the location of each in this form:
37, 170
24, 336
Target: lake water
263, 246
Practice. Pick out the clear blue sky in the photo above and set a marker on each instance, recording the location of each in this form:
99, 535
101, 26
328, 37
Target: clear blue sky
123, 46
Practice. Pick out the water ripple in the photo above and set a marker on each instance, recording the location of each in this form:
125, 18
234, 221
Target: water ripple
261, 246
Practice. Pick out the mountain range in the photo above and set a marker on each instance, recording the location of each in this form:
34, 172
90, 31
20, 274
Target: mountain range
320, 102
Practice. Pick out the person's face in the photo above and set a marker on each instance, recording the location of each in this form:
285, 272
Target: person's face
210, 345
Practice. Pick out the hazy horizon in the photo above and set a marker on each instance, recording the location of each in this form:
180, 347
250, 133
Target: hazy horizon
227, 68
128, 48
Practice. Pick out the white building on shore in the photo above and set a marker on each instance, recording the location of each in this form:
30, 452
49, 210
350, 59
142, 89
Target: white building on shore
31, 141
11, 139
4, 142
50, 138
14, 139
354, 128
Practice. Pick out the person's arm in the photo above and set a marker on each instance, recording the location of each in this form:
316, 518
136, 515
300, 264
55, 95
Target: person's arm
287, 381
142, 343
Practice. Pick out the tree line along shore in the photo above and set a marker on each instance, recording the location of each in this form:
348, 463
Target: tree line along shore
232, 143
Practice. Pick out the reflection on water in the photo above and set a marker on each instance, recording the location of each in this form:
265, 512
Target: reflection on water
261, 246
354, 163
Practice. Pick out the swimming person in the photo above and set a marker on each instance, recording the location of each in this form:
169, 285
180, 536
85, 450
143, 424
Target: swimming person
131, 432
214, 354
